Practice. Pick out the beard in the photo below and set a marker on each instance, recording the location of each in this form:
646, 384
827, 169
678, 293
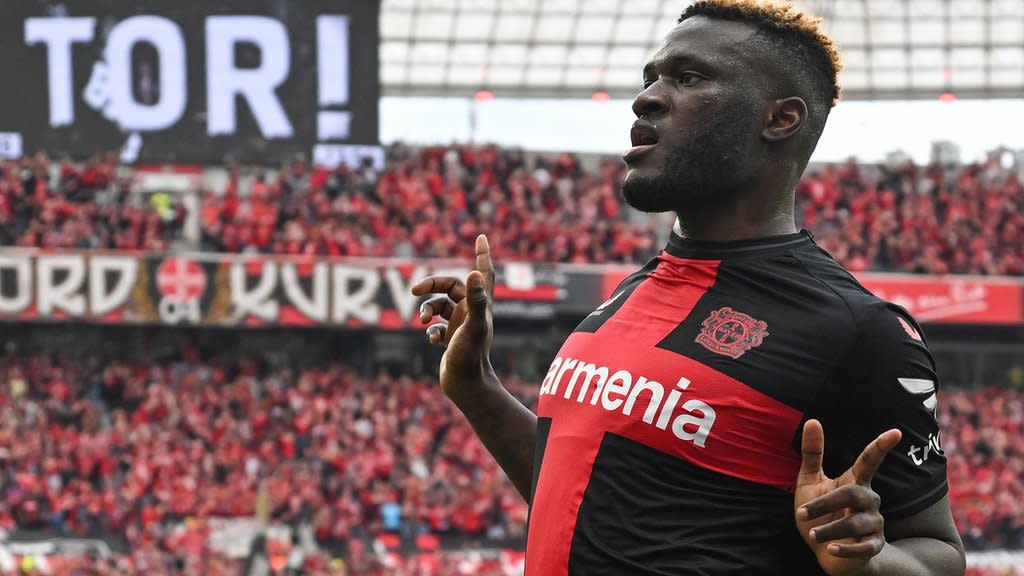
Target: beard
702, 172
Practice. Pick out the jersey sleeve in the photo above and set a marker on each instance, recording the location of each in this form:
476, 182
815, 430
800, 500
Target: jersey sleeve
888, 380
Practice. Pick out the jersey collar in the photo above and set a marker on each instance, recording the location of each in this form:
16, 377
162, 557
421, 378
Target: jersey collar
687, 248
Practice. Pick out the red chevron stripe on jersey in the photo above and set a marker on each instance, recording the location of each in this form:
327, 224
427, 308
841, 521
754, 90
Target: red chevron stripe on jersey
616, 380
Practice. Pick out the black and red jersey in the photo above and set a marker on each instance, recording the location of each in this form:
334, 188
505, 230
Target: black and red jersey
670, 421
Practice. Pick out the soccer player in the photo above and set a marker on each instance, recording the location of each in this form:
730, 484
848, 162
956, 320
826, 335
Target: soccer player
740, 405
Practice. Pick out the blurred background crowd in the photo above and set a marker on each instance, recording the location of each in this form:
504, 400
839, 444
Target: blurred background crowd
149, 451
545, 208
378, 470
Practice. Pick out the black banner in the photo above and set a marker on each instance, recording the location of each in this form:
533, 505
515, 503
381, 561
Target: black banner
254, 291
208, 81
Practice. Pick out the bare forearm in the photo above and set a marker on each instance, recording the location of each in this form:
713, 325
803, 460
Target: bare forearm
917, 557
507, 429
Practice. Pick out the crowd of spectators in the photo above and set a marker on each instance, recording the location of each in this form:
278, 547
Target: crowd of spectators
929, 220
983, 434
151, 451
148, 451
433, 201
89, 205
149, 561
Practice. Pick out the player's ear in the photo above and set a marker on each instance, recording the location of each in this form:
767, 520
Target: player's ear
783, 118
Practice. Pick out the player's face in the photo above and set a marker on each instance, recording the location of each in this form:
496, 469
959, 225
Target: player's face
698, 119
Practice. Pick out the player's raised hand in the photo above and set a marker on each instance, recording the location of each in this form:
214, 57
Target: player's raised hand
839, 517
467, 325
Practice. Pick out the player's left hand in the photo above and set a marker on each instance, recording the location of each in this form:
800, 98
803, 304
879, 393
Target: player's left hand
839, 517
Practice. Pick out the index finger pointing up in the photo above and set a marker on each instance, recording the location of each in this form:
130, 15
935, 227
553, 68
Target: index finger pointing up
871, 458
812, 448
483, 262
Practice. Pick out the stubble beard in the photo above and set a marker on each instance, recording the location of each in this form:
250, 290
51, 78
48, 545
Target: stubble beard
660, 191
694, 177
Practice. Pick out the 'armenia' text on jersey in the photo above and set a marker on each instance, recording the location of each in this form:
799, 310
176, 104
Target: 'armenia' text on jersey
670, 420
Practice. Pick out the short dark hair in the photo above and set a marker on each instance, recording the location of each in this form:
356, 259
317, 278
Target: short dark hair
811, 57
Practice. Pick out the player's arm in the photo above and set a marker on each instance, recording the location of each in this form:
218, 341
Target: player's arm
507, 428
887, 513
924, 543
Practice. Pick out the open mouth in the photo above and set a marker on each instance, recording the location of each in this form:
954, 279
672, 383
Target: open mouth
643, 134
644, 137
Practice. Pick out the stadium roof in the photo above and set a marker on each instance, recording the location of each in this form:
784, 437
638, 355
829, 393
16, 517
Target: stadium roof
574, 48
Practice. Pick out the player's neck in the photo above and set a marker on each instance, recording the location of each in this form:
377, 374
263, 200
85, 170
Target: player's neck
731, 227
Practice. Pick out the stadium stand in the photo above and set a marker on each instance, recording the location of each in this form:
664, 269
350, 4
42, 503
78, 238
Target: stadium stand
150, 455
432, 202
929, 220
78, 205
149, 452
984, 430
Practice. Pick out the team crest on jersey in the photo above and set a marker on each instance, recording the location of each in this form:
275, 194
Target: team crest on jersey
731, 333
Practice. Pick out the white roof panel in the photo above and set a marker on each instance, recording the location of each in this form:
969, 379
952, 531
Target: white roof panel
1007, 8
466, 75
633, 28
928, 78
505, 75
470, 26
1008, 77
544, 76
1008, 58
434, 25
553, 28
548, 55
627, 56
468, 53
928, 58
572, 48
513, 27
509, 54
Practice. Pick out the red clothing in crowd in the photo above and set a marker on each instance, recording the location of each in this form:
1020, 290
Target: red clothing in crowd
433, 202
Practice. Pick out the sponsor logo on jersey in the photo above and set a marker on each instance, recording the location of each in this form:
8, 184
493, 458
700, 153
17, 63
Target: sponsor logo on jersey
921, 387
731, 333
919, 454
620, 391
